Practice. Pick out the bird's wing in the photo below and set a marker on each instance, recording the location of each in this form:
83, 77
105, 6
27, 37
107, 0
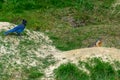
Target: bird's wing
19, 28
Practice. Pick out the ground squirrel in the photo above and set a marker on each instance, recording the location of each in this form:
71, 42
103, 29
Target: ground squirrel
98, 43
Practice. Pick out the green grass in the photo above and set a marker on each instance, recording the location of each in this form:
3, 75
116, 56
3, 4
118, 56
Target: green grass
33, 73
70, 71
18, 61
100, 70
73, 38
10, 68
48, 60
92, 69
70, 24
83, 12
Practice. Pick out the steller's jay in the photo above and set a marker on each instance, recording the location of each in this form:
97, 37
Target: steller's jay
17, 29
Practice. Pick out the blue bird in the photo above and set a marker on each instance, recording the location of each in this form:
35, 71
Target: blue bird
17, 29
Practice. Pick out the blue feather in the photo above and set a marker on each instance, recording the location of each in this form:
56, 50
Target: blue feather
17, 29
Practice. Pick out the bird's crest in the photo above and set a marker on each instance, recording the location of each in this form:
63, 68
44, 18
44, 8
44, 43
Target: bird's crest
24, 21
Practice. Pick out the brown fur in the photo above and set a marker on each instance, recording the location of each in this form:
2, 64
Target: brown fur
98, 43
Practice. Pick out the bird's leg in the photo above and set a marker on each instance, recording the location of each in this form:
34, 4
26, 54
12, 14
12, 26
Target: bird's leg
19, 35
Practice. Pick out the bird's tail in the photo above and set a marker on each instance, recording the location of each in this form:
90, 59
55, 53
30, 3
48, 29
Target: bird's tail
9, 31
